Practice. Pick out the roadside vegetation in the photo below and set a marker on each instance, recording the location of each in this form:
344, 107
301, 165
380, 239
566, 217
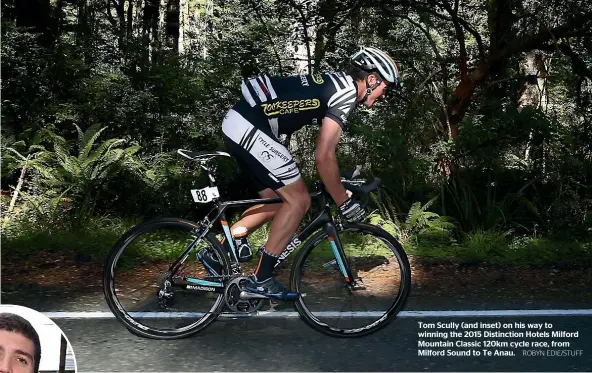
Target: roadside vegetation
483, 160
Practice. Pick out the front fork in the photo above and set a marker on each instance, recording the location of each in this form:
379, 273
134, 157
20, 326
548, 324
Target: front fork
340, 258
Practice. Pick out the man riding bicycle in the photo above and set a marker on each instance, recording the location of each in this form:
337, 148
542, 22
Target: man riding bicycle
272, 106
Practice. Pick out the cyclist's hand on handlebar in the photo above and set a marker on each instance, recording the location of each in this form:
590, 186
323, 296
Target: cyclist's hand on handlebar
352, 211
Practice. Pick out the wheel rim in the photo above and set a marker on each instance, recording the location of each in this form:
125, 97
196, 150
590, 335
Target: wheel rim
328, 303
135, 286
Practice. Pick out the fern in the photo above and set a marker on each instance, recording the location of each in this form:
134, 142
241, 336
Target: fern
419, 220
87, 139
88, 166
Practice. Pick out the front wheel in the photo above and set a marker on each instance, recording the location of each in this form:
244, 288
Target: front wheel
338, 306
154, 298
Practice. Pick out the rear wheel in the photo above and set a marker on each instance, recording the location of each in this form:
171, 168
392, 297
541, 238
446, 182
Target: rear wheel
150, 298
379, 290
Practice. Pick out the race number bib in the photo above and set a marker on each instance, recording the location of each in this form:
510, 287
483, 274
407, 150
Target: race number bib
205, 195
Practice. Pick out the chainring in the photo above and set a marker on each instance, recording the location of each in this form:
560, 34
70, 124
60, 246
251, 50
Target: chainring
233, 301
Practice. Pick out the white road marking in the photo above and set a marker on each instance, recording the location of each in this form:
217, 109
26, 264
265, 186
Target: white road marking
356, 314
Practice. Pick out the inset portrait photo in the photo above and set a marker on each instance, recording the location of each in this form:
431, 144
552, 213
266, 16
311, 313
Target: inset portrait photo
30, 342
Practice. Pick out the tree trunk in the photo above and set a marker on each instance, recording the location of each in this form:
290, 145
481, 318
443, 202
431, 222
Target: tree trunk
534, 91
303, 55
172, 26
149, 30
56, 19
461, 97
154, 29
183, 24
19, 185
319, 48
130, 20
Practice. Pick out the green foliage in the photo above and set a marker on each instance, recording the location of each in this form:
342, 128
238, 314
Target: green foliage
417, 224
501, 248
520, 169
419, 220
85, 173
25, 236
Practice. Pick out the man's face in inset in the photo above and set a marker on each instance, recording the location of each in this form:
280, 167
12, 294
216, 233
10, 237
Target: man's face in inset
16, 353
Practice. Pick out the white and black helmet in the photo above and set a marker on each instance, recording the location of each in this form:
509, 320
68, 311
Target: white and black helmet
374, 60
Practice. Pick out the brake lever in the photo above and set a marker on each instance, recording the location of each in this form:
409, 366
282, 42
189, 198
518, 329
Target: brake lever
364, 189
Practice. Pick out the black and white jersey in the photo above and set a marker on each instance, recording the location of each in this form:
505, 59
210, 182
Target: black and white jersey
273, 106
289, 103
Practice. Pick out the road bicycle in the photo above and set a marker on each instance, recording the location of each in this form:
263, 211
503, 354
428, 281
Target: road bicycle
158, 285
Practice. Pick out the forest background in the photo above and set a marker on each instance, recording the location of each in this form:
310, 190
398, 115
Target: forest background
485, 152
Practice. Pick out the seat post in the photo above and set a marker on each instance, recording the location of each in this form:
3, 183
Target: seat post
212, 180
210, 176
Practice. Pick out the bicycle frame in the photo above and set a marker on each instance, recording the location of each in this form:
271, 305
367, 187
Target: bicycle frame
323, 220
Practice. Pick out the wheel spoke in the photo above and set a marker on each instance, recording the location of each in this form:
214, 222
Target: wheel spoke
356, 310
138, 285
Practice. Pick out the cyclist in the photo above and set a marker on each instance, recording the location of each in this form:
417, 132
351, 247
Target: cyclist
272, 106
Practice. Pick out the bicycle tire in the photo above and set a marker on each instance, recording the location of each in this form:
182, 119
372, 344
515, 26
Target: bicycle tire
130, 323
399, 301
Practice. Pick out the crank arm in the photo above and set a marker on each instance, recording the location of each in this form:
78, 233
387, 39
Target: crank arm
249, 295
252, 295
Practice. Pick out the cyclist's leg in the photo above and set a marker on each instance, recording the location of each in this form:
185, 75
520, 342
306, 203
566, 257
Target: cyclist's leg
255, 216
272, 165
296, 203
251, 220
284, 224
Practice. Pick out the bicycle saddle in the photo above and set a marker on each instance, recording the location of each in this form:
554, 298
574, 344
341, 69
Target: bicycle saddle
196, 156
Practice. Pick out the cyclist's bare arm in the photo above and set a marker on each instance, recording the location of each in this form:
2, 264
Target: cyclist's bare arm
326, 160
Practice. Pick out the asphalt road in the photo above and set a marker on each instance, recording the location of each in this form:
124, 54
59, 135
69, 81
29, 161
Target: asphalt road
278, 344
266, 344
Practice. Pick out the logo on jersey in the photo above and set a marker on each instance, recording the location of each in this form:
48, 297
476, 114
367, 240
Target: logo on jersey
317, 78
265, 156
290, 107
270, 153
303, 80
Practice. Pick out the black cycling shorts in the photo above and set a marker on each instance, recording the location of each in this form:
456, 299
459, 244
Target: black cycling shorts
257, 151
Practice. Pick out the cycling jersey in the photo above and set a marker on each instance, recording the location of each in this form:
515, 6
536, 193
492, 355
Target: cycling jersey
288, 103
274, 106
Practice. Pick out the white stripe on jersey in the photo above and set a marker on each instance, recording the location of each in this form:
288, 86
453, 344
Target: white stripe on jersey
270, 88
273, 123
345, 94
345, 108
258, 89
247, 94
